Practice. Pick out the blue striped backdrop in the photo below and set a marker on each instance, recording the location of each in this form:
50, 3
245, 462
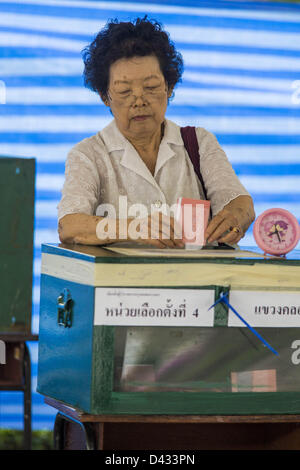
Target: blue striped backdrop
241, 82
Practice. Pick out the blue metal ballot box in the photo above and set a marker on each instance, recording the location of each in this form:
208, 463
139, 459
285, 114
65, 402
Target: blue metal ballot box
144, 331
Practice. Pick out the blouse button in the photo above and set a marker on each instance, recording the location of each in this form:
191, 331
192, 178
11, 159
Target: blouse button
158, 203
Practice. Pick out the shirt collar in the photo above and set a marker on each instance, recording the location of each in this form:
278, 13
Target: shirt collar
115, 140
172, 134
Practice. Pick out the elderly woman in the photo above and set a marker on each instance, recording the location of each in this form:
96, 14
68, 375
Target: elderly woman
141, 155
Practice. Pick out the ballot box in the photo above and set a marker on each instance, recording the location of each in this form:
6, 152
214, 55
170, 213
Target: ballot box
17, 194
147, 331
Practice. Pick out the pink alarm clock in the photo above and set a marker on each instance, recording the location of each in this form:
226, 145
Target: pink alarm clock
276, 231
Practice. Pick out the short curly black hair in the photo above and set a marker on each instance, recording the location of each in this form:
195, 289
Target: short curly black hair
118, 40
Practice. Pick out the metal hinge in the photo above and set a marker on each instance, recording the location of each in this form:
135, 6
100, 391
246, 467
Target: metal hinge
64, 309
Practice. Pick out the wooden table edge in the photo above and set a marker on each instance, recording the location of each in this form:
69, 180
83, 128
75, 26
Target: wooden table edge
15, 338
188, 419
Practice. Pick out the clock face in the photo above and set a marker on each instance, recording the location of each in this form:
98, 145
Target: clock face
276, 231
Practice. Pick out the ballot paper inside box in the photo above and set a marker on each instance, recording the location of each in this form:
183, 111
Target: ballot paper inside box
254, 381
114, 341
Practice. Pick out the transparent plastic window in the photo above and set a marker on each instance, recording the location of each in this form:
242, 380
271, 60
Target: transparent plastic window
218, 359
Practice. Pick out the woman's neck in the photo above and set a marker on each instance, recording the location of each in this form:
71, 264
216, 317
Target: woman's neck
147, 143
147, 147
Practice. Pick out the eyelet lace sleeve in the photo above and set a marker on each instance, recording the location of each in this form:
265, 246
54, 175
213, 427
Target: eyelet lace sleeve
80, 192
221, 182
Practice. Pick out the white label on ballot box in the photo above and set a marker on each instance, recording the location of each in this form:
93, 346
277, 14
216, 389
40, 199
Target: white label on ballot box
153, 307
265, 308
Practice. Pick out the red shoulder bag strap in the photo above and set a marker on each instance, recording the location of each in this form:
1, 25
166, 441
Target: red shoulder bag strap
190, 140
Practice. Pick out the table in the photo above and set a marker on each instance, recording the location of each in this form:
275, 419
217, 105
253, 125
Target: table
15, 374
74, 430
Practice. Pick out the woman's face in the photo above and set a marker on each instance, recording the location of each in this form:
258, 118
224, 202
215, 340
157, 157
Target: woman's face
137, 96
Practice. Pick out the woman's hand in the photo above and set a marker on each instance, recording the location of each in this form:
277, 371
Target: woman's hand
232, 222
158, 230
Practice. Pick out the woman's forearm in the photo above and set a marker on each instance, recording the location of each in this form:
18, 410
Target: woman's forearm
243, 206
87, 229
157, 230
239, 214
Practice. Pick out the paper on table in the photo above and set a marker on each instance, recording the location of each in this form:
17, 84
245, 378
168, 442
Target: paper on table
184, 253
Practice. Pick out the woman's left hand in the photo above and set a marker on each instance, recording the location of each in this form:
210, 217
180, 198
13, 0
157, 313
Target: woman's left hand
232, 222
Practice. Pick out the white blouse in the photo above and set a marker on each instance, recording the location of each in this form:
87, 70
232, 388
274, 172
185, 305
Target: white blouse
105, 166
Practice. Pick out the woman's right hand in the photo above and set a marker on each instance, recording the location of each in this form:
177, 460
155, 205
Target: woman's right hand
158, 230
94, 230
